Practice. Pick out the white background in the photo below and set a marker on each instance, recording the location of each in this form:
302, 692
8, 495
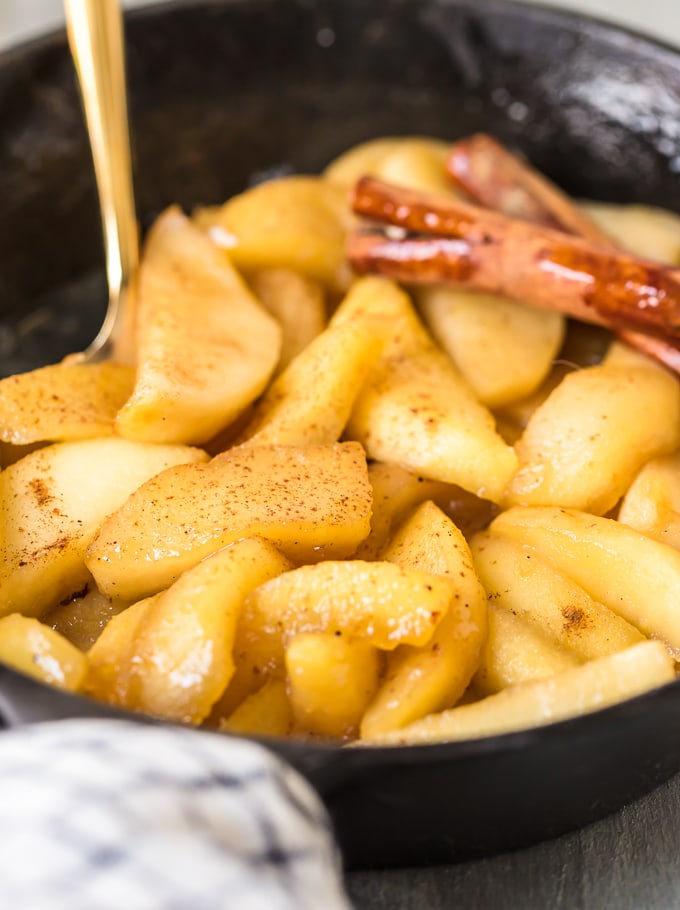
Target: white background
21, 19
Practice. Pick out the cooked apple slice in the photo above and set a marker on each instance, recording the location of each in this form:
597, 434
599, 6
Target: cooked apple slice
82, 618
51, 503
63, 401
110, 652
580, 690
528, 588
633, 575
652, 503
396, 492
310, 501
331, 679
35, 649
298, 304
503, 348
417, 162
378, 602
266, 712
179, 660
362, 158
516, 652
416, 409
584, 445
643, 229
419, 680
205, 346
310, 402
294, 223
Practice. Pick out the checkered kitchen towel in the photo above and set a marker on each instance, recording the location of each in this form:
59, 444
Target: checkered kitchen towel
99, 814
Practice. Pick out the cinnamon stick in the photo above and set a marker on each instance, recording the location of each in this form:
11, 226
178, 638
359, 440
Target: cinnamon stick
537, 265
494, 177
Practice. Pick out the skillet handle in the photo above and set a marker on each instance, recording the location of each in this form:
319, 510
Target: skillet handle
26, 701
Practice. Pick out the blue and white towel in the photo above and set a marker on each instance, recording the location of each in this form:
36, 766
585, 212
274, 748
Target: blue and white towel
114, 815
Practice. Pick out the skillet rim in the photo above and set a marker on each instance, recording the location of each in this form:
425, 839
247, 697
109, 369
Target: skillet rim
82, 705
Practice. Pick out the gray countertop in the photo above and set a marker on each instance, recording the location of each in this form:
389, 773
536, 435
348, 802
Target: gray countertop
21, 19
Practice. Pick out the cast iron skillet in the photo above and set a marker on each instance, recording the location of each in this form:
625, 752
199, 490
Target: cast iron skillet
222, 91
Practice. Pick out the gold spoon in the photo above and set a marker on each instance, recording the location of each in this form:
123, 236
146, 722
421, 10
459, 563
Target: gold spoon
95, 32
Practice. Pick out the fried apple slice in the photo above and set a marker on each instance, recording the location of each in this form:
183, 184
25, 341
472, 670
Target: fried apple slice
310, 402
519, 581
63, 402
515, 651
266, 712
108, 656
503, 349
581, 449
82, 618
417, 162
331, 679
396, 492
296, 302
415, 409
419, 680
311, 502
256, 661
362, 158
51, 504
179, 660
652, 502
296, 223
578, 691
633, 575
36, 650
205, 346
640, 229
378, 602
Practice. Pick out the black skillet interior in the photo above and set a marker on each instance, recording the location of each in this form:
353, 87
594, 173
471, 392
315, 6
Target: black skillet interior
225, 91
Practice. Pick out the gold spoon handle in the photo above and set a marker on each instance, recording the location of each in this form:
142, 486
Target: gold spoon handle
95, 31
